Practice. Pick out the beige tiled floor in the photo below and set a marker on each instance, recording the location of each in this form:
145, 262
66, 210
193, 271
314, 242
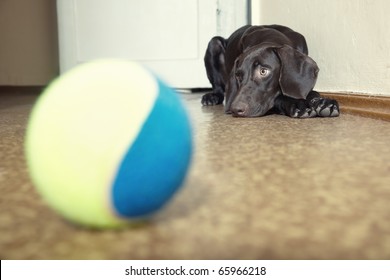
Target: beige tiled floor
261, 188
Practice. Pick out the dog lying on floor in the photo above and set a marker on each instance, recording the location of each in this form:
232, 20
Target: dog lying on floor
264, 69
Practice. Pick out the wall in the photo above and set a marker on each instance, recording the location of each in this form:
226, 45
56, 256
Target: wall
28, 42
349, 39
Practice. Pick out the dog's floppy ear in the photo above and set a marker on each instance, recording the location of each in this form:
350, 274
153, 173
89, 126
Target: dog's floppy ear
298, 72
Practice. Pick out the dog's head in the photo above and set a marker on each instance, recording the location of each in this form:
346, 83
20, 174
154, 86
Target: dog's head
263, 72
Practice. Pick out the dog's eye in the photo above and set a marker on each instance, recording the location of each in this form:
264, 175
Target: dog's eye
264, 72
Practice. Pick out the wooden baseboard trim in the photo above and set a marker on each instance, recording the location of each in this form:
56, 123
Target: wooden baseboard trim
376, 107
21, 89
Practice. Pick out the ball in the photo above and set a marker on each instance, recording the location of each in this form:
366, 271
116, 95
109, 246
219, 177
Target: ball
108, 143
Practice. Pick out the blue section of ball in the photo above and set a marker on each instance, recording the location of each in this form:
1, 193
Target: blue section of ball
155, 165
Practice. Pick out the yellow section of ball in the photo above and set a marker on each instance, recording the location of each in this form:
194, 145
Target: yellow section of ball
77, 134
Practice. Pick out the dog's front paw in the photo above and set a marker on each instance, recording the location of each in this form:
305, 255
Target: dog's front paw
325, 107
303, 113
211, 98
299, 109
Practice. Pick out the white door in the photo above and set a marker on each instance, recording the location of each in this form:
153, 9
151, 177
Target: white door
167, 36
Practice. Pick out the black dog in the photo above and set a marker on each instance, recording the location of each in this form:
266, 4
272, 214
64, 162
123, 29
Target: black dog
265, 69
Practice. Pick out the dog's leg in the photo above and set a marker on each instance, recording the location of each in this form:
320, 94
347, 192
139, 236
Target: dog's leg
215, 67
313, 106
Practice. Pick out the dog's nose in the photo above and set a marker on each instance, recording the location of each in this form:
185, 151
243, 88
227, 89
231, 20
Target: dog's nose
239, 109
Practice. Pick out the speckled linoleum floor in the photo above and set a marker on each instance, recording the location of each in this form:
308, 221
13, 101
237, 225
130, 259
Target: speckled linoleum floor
261, 188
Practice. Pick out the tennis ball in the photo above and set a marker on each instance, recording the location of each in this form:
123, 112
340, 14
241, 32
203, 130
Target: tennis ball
108, 143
